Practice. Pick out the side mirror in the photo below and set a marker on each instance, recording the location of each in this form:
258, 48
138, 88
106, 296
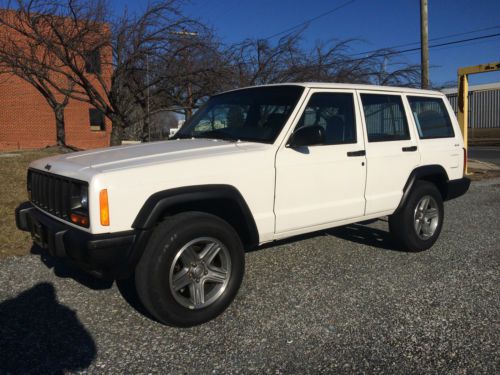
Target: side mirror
307, 136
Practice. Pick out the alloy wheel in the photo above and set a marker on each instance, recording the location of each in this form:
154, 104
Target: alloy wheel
200, 272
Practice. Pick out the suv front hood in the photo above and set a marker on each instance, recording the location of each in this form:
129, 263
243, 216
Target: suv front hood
133, 155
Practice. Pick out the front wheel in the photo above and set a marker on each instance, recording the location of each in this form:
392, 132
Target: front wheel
417, 225
191, 269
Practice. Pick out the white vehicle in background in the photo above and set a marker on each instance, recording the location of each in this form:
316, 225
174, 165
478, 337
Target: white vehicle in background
173, 131
251, 166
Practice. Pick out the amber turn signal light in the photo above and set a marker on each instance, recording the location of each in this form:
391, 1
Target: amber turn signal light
104, 207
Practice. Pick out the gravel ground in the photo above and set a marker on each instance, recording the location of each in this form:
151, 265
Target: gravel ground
339, 301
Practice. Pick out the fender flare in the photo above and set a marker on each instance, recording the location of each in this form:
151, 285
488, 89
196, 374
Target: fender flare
418, 174
156, 204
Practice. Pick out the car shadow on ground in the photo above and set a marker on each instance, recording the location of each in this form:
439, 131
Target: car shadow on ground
358, 232
364, 235
64, 269
40, 335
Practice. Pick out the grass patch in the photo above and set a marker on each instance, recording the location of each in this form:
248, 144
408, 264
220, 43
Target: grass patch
13, 166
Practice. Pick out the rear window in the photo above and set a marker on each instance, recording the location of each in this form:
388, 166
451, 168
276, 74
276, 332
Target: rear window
431, 117
385, 118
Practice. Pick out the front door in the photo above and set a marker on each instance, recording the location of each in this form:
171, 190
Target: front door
323, 183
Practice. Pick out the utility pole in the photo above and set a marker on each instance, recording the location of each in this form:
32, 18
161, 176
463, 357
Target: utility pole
424, 44
188, 111
147, 103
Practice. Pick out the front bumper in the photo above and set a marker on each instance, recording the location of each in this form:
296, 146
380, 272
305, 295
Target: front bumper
105, 255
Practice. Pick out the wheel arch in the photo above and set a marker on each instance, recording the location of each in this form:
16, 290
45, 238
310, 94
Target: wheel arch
224, 201
434, 173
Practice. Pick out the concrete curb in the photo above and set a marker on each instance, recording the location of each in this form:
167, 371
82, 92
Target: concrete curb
482, 165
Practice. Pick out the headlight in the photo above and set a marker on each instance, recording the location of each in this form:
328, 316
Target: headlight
80, 205
28, 183
84, 198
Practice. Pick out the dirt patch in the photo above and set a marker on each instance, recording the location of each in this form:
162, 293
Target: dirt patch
478, 175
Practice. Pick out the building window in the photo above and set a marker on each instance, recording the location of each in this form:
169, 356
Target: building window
96, 118
93, 61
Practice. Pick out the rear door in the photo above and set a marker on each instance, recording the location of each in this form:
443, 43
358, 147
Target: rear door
391, 149
439, 142
321, 184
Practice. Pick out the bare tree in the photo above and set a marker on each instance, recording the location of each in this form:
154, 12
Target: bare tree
259, 61
22, 57
83, 34
256, 61
192, 71
201, 67
130, 66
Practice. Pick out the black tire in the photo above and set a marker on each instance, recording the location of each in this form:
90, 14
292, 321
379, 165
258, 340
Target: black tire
152, 276
128, 291
402, 223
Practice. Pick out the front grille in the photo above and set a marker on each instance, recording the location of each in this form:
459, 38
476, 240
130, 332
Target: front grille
53, 193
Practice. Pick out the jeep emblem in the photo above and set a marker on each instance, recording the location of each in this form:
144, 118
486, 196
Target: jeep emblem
48, 166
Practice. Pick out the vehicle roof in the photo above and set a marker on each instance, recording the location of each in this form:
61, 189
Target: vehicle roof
350, 86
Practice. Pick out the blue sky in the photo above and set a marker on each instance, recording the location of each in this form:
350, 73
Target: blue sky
376, 24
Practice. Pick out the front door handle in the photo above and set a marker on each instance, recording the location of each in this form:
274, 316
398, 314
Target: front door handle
410, 149
356, 153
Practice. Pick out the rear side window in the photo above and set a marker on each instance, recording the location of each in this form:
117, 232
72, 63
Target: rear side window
385, 118
334, 112
431, 117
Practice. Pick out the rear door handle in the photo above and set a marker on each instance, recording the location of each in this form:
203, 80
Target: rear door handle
409, 148
356, 153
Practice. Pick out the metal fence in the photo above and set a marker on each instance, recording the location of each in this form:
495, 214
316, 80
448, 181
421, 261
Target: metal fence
484, 107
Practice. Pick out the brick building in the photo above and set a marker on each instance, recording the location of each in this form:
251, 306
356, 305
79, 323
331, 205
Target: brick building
27, 121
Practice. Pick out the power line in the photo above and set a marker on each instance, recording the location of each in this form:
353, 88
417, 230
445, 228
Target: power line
435, 45
389, 53
310, 20
431, 40
452, 35
466, 44
456, 42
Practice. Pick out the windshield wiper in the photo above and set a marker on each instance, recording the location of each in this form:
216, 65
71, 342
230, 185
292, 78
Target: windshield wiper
217, 134
182, 136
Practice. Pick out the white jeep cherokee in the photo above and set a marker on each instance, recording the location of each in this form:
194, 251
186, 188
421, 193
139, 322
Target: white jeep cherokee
251, 166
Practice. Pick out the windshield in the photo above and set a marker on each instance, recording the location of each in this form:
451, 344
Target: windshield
254, 114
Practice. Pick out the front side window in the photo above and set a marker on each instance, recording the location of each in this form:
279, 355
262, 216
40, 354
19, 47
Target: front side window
254, 114
385, 118
431, 117
334, 112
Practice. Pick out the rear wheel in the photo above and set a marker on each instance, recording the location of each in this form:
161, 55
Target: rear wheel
418, 223
191, 269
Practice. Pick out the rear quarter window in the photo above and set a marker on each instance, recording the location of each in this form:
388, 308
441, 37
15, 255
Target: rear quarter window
431, 117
